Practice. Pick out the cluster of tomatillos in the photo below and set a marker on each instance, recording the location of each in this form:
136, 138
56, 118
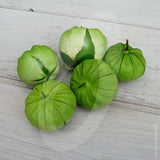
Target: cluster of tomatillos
94, 83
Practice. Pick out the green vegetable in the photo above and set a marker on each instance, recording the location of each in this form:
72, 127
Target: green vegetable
128, 63
94, 84
50, 105
38, 65
79, 43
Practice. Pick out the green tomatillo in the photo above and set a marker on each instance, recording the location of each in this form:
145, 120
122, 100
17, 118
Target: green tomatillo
128, 63
94, 84
80, 43
50, 105
37, 65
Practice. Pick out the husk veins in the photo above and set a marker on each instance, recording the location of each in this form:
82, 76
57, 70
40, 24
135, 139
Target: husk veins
121, 51
89, 81
47, 97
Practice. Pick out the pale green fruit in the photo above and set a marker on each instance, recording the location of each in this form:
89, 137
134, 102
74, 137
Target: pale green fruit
50, 105
94, 84
79, 43
38, 65
128, 63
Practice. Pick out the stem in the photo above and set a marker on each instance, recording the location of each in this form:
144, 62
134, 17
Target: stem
127, 43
